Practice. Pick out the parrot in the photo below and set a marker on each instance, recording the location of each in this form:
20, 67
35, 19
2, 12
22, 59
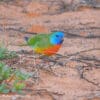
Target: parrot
46, 44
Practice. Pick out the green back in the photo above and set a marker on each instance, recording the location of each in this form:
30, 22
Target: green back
40, 41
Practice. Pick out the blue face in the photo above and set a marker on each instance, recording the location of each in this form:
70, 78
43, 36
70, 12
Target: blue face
57, 38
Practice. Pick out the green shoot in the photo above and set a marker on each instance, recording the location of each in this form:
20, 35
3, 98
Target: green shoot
5, 54
11, 80
3, 88
5, 72
18, 86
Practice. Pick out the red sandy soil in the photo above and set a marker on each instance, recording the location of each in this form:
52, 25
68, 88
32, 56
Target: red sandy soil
68, 83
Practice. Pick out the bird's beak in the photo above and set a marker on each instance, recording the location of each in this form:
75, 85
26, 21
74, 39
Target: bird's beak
62, 40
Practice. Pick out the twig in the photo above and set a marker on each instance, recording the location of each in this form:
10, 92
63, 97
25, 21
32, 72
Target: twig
71, 35
89, 58
77, 53
41, 91
96, 84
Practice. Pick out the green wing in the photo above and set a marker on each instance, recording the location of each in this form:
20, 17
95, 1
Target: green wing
40, 41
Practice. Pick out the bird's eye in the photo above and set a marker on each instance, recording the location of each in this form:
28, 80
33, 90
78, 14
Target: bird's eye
57, 35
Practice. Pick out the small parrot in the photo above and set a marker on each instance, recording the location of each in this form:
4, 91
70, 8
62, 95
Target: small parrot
46, 44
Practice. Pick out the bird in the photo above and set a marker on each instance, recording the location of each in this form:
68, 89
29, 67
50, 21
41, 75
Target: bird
46, 44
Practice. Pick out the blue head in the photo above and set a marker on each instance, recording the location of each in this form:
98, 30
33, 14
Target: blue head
57, 38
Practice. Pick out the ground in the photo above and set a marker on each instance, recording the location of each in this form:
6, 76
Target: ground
76, 73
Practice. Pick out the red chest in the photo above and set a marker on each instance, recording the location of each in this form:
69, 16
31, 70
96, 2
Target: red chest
52, 50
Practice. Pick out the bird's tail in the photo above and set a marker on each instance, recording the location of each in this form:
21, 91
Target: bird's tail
25, 43
26, 38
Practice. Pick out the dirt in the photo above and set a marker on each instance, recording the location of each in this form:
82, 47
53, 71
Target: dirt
75, 74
